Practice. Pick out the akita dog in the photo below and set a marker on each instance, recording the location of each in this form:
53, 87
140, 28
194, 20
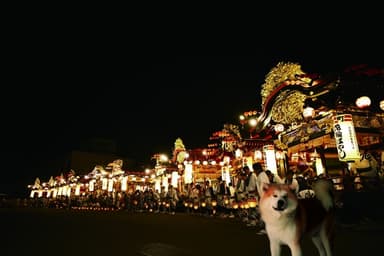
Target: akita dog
288, 218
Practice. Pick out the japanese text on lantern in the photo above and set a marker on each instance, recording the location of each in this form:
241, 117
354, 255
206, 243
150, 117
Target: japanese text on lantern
345, 136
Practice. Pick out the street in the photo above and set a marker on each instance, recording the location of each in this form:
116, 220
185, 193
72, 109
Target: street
31, 231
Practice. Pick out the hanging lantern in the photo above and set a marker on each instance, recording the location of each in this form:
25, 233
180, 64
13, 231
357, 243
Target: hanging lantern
270, 158
309, 112
363, 102
238, 153
279, 128
258, 155
345, 136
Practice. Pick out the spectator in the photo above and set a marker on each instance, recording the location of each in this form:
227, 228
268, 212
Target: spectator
289, 179
273, 178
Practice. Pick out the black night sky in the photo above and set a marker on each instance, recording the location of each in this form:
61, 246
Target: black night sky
157, 100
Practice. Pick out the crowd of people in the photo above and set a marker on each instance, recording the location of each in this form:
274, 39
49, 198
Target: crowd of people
235, 199
211, 198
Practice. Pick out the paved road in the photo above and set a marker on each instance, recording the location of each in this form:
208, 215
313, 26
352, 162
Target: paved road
62, 232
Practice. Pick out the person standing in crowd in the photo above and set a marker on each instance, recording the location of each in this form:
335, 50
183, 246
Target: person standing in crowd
173, 198
273, 178
240, 193
240, 186
232, 195
262, 178
163, 199
208, 196
289, 179
157, 201
222, 196
251, 190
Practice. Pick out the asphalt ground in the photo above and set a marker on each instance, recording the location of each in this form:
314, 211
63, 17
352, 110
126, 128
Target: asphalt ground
38, 231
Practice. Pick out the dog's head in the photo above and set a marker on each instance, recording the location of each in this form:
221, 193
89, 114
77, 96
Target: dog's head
278, 199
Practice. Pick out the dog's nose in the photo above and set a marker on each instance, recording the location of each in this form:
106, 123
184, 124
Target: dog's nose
280, 204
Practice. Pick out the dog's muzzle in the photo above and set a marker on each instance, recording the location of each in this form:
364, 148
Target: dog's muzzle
280, 205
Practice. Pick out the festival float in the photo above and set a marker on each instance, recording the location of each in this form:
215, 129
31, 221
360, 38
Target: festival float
309, 121
110, 181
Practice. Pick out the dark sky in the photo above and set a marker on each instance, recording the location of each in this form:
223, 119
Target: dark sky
157, 100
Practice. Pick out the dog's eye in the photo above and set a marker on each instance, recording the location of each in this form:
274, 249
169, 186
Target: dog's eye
274, 195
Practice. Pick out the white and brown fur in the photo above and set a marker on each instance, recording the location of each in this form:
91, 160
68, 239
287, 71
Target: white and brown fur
287, 218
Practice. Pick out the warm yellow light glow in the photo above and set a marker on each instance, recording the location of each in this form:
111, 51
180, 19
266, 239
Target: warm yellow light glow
252, 122
91, 185
363, 102
174, 179
258, 155
382, 105
163, 158
77, 190
124, 184
188, 173
252, 202
238, 153
54, 193
319, 167
309, 112
279, 128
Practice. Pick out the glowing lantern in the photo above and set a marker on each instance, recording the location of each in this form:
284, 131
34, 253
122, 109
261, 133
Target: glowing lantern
270, 158
188, 176
363, 102
345, 136
308, 112
174, 178
91, 185
252, 202
279, 128
124, 182
258, 155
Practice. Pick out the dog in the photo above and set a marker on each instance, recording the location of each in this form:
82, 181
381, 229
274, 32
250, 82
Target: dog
287, 218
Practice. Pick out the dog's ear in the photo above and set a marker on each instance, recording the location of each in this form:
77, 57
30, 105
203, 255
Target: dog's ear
264, 186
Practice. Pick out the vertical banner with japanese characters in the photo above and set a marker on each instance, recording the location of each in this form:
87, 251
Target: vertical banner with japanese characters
345, 136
